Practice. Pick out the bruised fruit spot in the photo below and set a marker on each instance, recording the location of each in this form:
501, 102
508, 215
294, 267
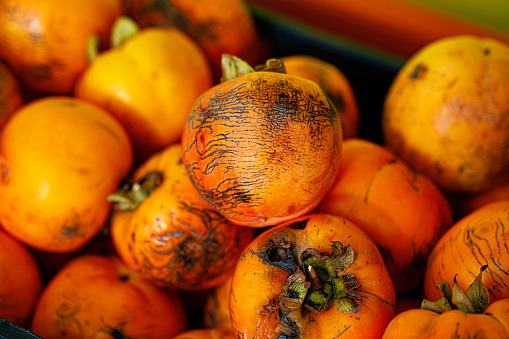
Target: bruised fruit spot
70, 230
299, 225
419, 71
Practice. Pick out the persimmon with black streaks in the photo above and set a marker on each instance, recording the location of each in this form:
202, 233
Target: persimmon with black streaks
262, 147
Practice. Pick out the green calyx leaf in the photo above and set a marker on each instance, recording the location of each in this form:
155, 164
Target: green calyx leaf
474, 300
132, 194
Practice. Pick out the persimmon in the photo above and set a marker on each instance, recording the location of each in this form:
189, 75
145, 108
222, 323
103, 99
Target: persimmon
20, 281
475, 240
206, 333
221, 26
457, 314
316, 276
45, 41
60, 158
447, 114
404, 212
164, 230
262, 147
96, 296
332, 80
149, 81
216, 310
11, 96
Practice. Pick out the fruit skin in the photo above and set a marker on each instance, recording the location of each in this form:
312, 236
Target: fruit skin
20, 281
447, 114
216, 310
404, 212
477, 239
44, 41
417, 323
96, 296
263, 148
334, 83
174, 238
60, 157
221, 26
207, 333
11, 97
258, 279
149, 83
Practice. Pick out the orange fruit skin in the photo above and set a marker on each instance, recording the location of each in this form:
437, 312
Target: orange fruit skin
95, 296
257, 280
11, 97
216, 310
221, 26
263, 148
334, 83
207, 333
475, 240
44, 41
174, 238
60, 158
404, 212
447, 114
417, 323
20, 281
149, 83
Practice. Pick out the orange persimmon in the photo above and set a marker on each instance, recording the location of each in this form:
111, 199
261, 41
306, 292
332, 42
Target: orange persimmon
149, 81
163, 229
332, 80
404, 212
20, 281
207, 333
477, 239
97, 296
45, 41
220, 26
60, 157
316, 276
447, 114
262, 147
11, 97
216, 310
457, 314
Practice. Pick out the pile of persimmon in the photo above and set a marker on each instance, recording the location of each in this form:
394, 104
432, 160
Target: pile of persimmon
163, 176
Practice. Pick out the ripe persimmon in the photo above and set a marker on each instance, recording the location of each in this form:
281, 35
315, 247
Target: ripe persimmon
45, 41
60, 157
477, 239
404, 212
20, 281
207, 333
316, 276
458, 313
216, 310
263, 147
447, 114
220, 26
332, 80
11, 97
149, 82
97, 296
164, 230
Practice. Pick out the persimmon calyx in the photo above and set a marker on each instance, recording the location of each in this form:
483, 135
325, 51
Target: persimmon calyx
316, 287
233, 67
474, 300
123, 28
132, 194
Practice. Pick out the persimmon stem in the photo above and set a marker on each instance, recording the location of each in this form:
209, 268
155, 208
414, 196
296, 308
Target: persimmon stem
132, 194
474, 300
123, 28
233, 67
316, 286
